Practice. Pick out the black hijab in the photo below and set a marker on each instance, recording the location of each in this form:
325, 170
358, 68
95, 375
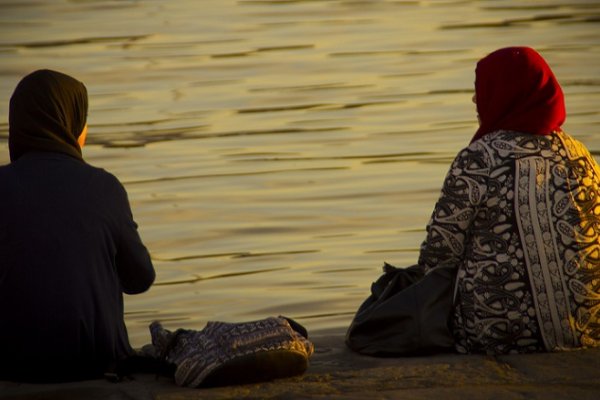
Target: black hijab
48, 111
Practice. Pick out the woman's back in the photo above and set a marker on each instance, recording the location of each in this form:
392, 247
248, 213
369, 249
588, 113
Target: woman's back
60, 295
530, 262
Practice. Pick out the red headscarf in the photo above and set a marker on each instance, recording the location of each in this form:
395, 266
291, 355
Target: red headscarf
516, 90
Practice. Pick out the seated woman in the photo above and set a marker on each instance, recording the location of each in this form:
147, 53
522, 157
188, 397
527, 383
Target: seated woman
69, 247
518, 220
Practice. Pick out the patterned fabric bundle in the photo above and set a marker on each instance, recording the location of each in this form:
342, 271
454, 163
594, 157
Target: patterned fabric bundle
233, 353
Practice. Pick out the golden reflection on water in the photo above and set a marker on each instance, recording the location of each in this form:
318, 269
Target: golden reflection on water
277, 152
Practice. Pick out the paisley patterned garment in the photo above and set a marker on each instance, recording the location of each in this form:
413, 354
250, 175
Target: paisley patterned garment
519, 218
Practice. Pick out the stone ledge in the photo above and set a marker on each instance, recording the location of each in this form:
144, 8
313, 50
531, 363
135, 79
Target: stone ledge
337, 373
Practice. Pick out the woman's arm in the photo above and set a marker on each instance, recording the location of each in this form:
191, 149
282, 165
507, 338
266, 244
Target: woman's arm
134, 265
462, 194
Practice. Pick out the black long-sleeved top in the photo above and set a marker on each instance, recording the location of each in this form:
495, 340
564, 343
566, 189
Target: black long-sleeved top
69, 248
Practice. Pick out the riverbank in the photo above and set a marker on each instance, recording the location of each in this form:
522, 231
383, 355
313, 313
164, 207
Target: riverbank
337, 373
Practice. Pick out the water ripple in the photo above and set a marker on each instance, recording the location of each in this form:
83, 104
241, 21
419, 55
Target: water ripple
198, 278
126, 138
371, 53
281, 108
508, 22
351, 157
263, 50
238, 174
311, 88
77, 41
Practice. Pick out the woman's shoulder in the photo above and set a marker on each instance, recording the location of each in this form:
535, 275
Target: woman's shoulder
101, 173
104, 180
475, 153
573, 147
509, 139
510, 145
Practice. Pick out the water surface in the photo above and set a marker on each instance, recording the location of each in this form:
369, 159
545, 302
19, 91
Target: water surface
277, 152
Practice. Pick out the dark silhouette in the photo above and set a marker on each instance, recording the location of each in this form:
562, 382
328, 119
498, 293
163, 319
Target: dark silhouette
69, 246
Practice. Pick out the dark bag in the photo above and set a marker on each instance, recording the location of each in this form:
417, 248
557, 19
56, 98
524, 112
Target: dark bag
407, 313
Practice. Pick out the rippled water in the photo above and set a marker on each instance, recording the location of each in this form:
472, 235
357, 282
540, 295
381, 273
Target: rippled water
277, 152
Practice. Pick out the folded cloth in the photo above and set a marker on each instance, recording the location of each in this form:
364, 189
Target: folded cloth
233, 353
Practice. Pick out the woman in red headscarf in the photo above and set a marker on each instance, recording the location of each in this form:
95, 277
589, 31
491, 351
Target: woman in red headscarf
519, 217
515, 232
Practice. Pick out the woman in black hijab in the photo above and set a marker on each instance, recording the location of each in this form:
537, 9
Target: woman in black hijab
69, 247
